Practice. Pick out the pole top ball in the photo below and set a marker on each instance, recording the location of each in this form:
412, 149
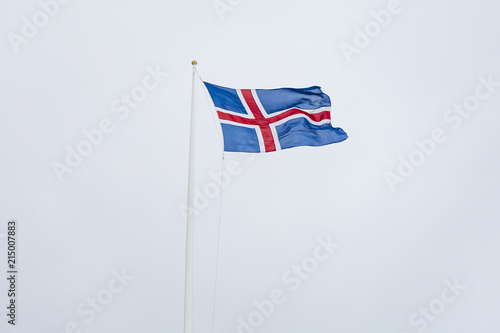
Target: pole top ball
194, 63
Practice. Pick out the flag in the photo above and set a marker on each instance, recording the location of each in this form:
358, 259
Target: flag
266, 120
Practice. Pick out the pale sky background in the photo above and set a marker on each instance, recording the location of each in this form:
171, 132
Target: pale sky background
119, 209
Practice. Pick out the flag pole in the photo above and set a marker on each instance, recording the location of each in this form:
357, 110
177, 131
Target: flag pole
188, 292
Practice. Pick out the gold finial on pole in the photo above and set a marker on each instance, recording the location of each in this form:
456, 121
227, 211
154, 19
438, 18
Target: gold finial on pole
194, 63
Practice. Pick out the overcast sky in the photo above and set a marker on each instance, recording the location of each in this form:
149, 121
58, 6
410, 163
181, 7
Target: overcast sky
394, 230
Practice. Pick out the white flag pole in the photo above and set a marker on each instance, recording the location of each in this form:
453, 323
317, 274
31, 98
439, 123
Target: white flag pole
188, 292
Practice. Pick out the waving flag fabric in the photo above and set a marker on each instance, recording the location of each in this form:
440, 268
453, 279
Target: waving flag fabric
266, 120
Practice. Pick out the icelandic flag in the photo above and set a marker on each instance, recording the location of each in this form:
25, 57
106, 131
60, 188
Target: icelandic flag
265, 120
